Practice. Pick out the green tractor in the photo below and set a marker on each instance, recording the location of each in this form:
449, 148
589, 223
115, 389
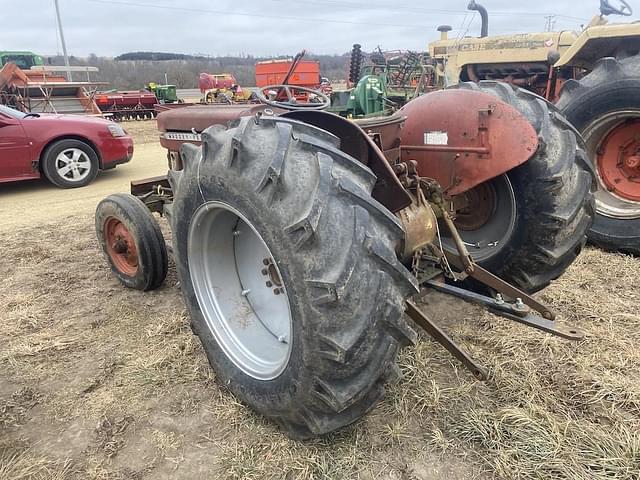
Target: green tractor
164, 93
24, 60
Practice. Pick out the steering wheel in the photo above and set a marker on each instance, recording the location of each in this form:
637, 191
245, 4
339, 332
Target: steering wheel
606, 8
274, 96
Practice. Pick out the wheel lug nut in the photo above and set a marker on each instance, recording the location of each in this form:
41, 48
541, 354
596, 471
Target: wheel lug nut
265, 271
276, 291
265, 261
269, 284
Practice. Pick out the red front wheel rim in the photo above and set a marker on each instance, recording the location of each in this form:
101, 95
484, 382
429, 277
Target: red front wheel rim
121, 246
619, 160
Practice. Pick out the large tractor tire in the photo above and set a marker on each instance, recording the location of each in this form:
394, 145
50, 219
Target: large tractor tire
528, 225
605, 107
289, 271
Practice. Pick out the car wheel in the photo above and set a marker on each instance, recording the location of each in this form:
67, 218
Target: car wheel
70, 163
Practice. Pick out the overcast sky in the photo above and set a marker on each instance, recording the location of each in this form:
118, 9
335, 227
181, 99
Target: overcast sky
267, 27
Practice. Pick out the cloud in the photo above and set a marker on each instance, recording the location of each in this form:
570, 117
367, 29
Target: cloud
265, 27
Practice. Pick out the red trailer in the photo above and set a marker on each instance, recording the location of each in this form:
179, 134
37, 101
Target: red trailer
274, 72
296, 72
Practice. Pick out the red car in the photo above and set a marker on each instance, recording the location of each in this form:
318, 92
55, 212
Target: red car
67, 149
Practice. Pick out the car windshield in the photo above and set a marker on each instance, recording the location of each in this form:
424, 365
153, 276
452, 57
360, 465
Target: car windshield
12, 112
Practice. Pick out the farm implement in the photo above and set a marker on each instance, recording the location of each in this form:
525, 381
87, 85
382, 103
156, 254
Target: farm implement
43, 89
127, 105
303, 240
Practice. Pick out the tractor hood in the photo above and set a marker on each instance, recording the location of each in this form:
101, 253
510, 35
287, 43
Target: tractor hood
526, 47
501, 49
600, 41
197, 118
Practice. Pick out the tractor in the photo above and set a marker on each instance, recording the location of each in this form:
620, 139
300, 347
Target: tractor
221, 88
23, 60
593, 77
164, 93
303, 241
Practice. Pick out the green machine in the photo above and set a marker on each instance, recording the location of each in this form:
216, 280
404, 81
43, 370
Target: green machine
368, 98
24, 60
164, 93
385, 84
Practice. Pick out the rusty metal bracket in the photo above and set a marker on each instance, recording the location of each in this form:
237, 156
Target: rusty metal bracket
511, 311
154, 192
424, 322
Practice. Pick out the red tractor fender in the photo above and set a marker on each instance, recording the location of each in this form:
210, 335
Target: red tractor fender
463, 138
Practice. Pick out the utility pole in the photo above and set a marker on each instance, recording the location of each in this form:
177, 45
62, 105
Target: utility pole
551, 23
64, 45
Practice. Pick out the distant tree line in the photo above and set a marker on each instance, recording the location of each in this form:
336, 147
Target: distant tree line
157, 56
131, 71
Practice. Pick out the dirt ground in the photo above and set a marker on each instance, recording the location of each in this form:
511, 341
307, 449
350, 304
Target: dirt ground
101, 382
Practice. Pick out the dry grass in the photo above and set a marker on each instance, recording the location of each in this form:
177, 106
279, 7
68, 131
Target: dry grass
104, 383
25, 466
143, 131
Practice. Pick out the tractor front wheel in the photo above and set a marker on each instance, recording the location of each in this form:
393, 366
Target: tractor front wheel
289, 272
132, 241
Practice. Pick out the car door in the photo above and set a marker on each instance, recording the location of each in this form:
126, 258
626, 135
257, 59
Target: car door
14, 151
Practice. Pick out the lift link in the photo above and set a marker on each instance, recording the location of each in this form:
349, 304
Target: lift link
464, 262
510, 311
506, 289
424, 322
518, 310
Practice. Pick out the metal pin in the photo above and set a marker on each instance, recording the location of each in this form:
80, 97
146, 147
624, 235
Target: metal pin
499, 299
236, 233
283, 339
245, 292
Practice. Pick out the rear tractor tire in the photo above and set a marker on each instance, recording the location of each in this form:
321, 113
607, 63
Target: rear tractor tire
132, 242
528, 225
605, 107
289, 272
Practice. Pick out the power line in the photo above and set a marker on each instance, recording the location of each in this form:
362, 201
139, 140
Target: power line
461, 28
375, 6
258, 15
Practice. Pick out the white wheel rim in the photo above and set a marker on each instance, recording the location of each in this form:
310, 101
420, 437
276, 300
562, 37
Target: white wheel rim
73, 165
227, 261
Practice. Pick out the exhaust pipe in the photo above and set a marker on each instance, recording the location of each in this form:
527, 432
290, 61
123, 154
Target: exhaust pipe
484, 32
